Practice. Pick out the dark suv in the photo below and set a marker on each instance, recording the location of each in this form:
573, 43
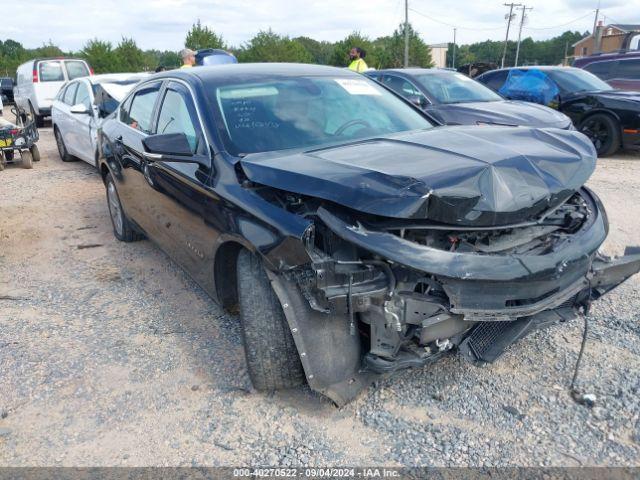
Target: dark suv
6, 88
620, 70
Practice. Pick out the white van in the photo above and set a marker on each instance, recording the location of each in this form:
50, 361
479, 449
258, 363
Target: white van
38, 82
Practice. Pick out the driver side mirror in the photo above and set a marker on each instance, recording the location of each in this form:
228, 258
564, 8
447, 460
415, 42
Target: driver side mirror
170, 147
418, 101
80, 109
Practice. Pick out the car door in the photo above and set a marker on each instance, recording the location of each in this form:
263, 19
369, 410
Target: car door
136, 117
83, 124
181, 188
64, 122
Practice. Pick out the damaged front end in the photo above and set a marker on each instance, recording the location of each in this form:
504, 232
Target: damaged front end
426, 241
384, 294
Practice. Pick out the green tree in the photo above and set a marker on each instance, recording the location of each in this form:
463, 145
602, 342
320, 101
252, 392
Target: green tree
202, 37
389, 51
48, 50
320, 51
129, 58
268, 46
100, 56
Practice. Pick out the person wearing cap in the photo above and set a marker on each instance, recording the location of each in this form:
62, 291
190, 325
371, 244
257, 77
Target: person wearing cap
188, 58
358, 64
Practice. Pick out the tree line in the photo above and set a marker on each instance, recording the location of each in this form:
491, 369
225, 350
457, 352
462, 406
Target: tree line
532, 52
268, 46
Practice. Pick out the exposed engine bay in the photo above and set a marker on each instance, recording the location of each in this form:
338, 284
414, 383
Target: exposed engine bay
413, 290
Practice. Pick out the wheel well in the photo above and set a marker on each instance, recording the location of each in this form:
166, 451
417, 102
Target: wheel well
225, 274
104, 171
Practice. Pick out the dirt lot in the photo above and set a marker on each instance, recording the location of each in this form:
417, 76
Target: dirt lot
110, 355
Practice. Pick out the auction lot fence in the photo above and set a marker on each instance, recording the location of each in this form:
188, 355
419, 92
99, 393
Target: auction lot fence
206, 473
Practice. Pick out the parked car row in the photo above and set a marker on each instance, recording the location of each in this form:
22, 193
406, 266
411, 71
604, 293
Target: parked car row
356, 234
609, 117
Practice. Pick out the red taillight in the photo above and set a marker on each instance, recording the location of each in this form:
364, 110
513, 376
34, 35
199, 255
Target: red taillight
35, 75
90, 71
14, 132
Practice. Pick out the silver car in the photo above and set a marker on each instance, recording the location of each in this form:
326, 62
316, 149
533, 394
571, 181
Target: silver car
81, 106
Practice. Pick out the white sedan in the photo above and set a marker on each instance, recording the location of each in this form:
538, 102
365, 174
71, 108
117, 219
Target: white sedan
80, 108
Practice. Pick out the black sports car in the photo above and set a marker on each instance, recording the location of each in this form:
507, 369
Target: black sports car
609, 117
454, 99
356, 237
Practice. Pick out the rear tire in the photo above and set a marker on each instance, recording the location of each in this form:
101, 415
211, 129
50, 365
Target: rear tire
123, 229
62, 149
604, 131
27, 159
35, 152
272, 358
8, 155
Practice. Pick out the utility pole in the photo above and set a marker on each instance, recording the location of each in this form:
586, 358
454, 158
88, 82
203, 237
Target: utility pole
524, 9
595, 20
406, 33
506, 38
453, 60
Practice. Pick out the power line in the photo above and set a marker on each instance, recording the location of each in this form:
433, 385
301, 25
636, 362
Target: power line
451, 24
562, 24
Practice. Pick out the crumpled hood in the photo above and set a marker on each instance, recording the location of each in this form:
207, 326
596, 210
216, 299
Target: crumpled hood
471, 176
503, 112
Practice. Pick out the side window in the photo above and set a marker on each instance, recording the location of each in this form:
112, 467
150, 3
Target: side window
402, 87
628, 69
60, 95
603, 70
70, 93
139, 113
82, 96
495, 80
178, 115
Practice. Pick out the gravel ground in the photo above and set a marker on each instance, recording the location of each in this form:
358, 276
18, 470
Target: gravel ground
110, 355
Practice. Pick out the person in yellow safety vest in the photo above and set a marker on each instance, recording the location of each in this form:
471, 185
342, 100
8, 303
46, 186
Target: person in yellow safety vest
188, 58
357, 60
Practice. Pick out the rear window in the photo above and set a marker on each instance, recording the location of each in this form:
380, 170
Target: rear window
629, 69
76, 68
50, 71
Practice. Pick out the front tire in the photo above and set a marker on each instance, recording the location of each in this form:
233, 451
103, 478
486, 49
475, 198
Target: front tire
272, 358
604, 132
123, 230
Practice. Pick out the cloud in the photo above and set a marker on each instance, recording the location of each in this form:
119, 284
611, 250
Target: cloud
163, 24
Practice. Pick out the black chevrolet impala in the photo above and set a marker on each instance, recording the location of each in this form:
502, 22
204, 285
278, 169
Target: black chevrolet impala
355, 237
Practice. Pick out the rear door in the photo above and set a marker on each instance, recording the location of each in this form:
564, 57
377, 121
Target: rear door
63, 120
50, 75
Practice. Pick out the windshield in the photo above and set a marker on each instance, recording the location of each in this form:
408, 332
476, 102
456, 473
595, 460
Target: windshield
447, 87
575, 80
282, 113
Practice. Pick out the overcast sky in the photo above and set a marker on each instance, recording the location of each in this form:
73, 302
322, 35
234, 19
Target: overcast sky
162, 24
